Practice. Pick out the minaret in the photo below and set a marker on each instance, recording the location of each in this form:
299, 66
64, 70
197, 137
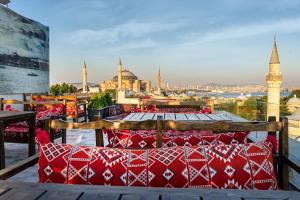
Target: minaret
148, 87
84, 79
120, 75
274, 80
158, 81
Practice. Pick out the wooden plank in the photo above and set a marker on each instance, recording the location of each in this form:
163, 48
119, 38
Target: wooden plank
61, 195
179, 196
283, 178
159, 126
2, 149
99, 138
217, 126
203, 117
131, 197
18, 167
22, 193
224, 117
231, 116
3, 190
97, 192
214, 117
99, 196
137, 117
147, 116
159, 114
180, 116
128, 117
169, 116
191, 117
31, 139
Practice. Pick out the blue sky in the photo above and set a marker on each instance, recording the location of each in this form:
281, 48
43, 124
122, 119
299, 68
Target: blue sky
193, 41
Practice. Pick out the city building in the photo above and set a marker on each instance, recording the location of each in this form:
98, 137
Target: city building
274, 81
124, 80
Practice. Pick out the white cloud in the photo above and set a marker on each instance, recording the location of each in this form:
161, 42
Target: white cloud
128, 30
280, 26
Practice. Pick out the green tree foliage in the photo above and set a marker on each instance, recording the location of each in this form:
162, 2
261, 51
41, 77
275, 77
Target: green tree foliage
254, 108
100, 100
112, 93
248, 109
61, 89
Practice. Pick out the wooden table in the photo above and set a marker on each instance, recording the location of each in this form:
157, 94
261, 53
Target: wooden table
141, 116
30, 191
8, 117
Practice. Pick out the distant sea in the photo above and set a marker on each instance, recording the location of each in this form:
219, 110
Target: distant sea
16, 80
235, 94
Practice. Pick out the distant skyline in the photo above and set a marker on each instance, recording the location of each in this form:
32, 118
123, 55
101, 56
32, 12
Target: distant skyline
193, 42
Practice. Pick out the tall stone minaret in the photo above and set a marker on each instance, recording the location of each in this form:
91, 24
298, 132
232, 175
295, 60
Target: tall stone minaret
148, 87
158, 81
84, 79
274, 80
120, 75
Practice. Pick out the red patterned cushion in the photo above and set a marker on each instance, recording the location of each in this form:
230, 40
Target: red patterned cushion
54, 111
13, 131
147, 138
238, 166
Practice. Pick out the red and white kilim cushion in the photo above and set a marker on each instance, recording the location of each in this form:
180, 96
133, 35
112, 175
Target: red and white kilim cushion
147, 138
238, 166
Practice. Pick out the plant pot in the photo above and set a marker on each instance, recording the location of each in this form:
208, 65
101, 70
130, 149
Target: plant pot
93, 112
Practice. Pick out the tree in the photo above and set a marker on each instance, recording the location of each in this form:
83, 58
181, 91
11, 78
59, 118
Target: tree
62, 89
100, 100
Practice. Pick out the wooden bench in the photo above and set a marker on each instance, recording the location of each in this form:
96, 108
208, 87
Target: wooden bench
281, 159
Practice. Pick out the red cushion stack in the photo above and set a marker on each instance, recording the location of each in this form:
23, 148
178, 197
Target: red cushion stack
236, 166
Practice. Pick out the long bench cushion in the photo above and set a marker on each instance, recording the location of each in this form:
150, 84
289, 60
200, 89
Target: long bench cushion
147, 138
21, 134
238, 166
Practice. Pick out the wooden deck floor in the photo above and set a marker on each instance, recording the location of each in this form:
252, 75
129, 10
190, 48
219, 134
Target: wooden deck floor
28, 191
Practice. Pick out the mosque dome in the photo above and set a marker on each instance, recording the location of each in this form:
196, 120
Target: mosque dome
126, 75
294, 100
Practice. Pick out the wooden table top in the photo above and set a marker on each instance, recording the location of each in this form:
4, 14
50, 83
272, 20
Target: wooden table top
14, 114
141, 116
28, 191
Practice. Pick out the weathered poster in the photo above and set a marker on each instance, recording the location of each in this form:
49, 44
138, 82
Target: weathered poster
24, 54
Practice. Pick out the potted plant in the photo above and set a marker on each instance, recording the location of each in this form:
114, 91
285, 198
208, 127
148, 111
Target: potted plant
97, 105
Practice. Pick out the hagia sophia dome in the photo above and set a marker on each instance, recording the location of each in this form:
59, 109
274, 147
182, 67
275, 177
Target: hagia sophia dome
126, 75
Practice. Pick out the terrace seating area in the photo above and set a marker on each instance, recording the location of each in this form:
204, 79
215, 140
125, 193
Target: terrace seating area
149, 147
44, 109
